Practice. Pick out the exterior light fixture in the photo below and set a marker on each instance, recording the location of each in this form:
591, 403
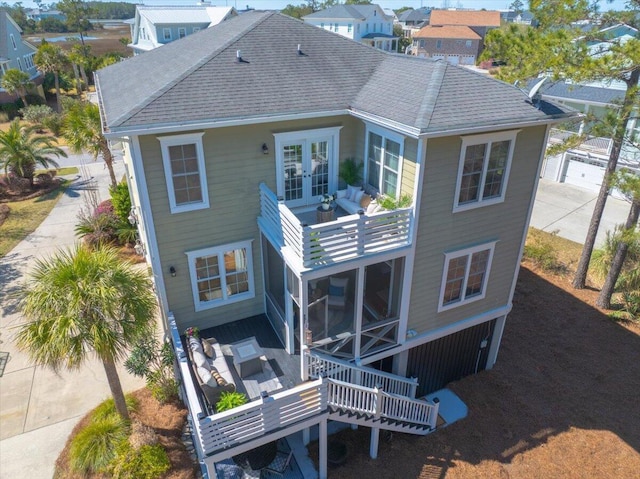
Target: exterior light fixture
139, 248
265, 149
133, 219
172, 271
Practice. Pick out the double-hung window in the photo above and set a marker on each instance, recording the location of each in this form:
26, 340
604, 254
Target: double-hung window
183, 159
221, 275
484, 169
182, 32
166, 34
384, 161
465, 276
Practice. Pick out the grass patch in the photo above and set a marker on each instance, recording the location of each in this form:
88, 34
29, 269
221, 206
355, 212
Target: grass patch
67, 170
24, 217
551, 252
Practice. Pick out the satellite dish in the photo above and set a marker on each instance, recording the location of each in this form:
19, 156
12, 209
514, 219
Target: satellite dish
536, 88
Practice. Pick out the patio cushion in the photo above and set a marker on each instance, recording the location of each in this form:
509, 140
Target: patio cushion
195, 344
208, 349
205, 376
200, 360
365, 201
352, 191
341, 193
220, 381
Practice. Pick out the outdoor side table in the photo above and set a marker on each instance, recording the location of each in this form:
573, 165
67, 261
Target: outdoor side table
246, 357
322, 215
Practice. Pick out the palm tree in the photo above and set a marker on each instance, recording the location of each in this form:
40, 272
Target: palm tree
83, 301
82, 129
16, 81
21, 150
51, 59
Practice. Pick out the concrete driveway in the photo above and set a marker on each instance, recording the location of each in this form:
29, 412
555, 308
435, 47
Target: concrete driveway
38, 408
567, 210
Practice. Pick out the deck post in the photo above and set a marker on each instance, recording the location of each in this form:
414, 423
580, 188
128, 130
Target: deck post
375, 439
322, 444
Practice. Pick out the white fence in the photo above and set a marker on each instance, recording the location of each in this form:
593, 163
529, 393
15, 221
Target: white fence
346, 237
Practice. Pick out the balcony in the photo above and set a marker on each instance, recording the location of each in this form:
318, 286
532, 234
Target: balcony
347, 237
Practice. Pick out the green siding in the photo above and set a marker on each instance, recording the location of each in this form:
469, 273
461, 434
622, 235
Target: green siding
440, 230
409, 166
235, 166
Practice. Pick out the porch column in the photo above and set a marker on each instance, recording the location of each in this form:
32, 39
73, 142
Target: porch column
375, 440
322, 446
495, 341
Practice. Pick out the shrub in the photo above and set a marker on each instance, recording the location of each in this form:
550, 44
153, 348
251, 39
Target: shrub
107, 408
155, 363
44, 179
121, 201
389, 203
229, 400
99, 226
35, 114
53, 123
542, 255
147, 462
4, 117
94, 447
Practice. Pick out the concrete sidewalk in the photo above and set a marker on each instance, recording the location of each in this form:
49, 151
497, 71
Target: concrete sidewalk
567, 210
39, 408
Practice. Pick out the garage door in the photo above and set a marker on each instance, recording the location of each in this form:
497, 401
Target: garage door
438, 57
584, 173
453, 59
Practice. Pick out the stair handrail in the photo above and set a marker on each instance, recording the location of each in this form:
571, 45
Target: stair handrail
320, 365
379, 404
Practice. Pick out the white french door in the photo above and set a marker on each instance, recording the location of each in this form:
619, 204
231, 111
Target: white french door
306, 165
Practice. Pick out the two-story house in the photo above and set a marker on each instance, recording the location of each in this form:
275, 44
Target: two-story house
154, 25
456, 36
367, 309
366, 24
413, 20
16, 53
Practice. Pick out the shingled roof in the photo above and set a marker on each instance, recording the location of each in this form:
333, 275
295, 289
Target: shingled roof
199, 81
470, 18
447, 31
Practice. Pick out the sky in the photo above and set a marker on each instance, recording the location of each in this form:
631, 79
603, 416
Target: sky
393, 4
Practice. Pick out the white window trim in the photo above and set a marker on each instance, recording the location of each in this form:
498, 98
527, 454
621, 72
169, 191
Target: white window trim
220, 250
13, 41
386, 135
457, 254
166, 37
183, 31
175, 140
478, 140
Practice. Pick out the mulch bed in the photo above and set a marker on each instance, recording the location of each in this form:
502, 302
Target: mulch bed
166, 419
561, 401
9, 196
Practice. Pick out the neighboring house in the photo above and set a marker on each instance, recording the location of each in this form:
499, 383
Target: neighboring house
154, 26
454, 43
366, 24
523, 18
38, 14
480, 21
413, 20
585, 164
16, 53
227, 153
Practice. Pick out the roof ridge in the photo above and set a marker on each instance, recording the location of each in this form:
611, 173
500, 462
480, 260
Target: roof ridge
158, 93
432, 92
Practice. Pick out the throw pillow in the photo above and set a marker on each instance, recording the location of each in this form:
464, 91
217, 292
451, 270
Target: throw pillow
352, 191
220, 381
206, 377
365, 201
200, 360
208, 349
194, 344
358, 197
341, 193
371, 207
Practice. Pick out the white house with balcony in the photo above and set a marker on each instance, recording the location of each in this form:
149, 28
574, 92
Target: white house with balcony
366, 24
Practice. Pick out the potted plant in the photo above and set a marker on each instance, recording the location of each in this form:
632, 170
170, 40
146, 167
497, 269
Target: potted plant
192, 331
229, 400
351, 171
325, 201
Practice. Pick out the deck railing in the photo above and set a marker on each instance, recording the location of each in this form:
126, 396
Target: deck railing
344, 238
593, 144
380, 404
323, 366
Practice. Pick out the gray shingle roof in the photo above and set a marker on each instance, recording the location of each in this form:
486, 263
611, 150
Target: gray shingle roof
198, 80
566, 91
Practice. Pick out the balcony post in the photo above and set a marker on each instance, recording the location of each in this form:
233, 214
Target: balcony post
322, 446
361, 232
375, 440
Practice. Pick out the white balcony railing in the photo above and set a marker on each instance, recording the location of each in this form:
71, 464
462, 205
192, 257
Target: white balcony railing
345, 238
324, 366
597, 145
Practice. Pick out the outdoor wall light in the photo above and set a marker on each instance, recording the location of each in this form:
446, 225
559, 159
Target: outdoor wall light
139, 248
172, 271
133, 219
265, 149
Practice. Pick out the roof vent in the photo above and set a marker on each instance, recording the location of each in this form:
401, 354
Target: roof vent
300, 52
238, 56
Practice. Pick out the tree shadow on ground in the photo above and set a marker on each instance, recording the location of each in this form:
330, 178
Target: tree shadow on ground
10, 285
565, 369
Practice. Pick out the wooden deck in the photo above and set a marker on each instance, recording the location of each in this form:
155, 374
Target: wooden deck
280, 365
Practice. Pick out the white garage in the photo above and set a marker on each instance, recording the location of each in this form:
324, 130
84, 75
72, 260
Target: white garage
583, 172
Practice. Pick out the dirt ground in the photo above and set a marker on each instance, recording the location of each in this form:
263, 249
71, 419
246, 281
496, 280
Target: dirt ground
561, 401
